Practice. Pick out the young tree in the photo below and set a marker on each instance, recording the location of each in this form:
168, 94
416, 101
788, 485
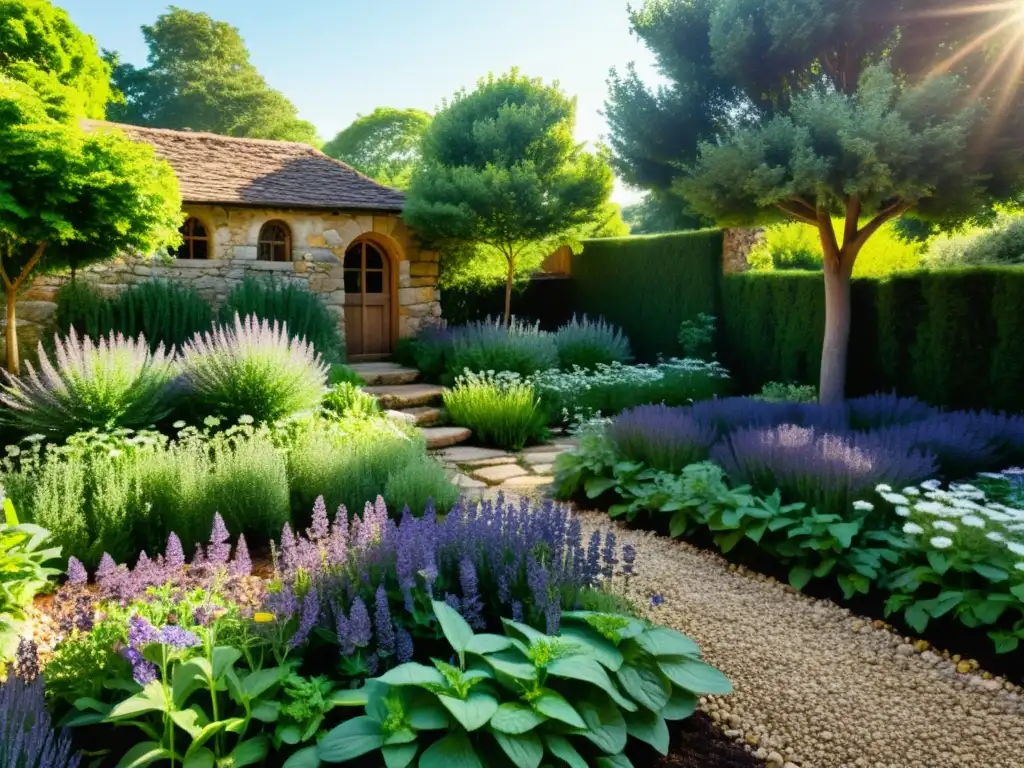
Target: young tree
68, 197
502, 171
385, 144
41, 47
866, 110
200, 77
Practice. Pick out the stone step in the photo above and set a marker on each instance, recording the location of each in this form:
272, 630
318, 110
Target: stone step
442, 437
400, 396
420, 416
381, 374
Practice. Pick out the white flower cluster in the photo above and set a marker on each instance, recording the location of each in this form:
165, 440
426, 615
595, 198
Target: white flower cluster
959, 515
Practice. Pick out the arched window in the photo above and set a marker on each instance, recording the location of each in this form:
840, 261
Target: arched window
364, 266
195, 243
275, 242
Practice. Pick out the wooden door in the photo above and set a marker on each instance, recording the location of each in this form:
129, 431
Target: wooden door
367, 301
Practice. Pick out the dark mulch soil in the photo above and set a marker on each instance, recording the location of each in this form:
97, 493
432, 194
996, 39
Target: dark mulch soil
697, 743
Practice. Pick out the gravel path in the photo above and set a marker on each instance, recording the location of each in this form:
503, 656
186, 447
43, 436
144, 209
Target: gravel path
815, 685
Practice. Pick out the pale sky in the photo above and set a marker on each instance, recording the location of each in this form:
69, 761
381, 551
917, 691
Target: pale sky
336, 59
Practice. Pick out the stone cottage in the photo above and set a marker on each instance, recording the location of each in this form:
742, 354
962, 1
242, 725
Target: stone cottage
286, 211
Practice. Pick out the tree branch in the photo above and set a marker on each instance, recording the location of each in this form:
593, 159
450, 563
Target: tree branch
830, 246
852, 219
27, 269
886, 214
795, 214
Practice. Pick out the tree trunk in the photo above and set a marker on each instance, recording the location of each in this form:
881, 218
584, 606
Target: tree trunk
11, 333
832, 385
508, 290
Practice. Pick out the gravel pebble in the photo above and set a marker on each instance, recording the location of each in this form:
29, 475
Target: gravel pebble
815, 685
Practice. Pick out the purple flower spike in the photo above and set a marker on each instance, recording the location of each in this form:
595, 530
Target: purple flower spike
76, 571
141, 633
472, 607
242, 564
608, 556
219, 551
382, 623
106, 570
289, 550
176, 637
593, 557
320, 529
628, 558
174, 555
517, 612
307, 618
405, 647
359, 631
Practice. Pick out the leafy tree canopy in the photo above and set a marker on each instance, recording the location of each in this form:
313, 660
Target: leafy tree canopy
41, 47
385, 144
69, 197
501, 170
808, 109
659, 212
200, 77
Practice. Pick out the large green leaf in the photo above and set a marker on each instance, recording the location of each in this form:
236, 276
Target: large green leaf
525, 631
588, 670
481, 644
943, 604
188, 678
1018, 592
553, 705
351, 739
990, 572
601, 649
425, 713
249, 752
681, 705
605, 724
799, 576
515, 718
695, 676
613, 761
525, 750
354, 697
662, 641
304, 758
513, 664
413, 673
261, 681
456, 630
649, 727
224, 657
188, 721
204, 758
267, 711
142, 754
645, 684
560, 747
473, 712
149, 699
399, 755
453, 751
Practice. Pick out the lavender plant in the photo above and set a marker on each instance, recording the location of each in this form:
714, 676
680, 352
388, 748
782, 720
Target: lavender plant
27, 736
584, 343
253, 368
661, 437
113, 382
886, 410
490, 345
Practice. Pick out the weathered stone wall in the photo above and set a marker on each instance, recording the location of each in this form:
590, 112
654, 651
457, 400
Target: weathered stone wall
737, 245
319, 242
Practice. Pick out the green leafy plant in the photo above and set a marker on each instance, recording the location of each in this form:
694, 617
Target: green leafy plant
346, 399
418, 482
304, 314
253, 368
577, 697
697, 336
23, 572
501, 409
115, 382
779, 392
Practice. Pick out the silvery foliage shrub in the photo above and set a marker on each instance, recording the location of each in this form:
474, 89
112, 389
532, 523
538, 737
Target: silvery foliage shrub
113, 382
490, 345
610, 389
1003, 244
253, 368
965, 556
584, 343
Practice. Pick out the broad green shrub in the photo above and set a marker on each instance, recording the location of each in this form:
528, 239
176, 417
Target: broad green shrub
166, 312
584, 343
114, 382
697, 336
253, 368
788, 392
342, 374
501, 409
492, 346
1002, 244
346, 399
418, 482
304, 313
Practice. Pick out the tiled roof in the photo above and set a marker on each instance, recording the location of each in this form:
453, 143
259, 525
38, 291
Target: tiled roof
228, 170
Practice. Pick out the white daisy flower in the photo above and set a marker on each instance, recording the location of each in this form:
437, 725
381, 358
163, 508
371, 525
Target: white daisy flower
895, 498
35, 438
178, 424
994, 536
245, 419
911, 491
903, 511
999, 517
863, 506
973, 521
931, 485
1017, 549
945, 525
912, 528
883, 488
941, 542
930, 508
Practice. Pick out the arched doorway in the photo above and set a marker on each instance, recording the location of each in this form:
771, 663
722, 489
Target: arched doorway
368, 301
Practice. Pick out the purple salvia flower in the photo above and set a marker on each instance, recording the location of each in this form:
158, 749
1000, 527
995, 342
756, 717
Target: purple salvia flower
141, 633
506, 575
337, 547
355, 531
219, 551
359, 630
241, 565
341, 627
593, 558
608, 555
472, 608
517, 612
320, 528
537, 581
282, 603
174, 554
553, 617
453, 601
106, 570
143, 672
289, 550
308, 618
372, 665
176, 637
382, 623
76, 572
628, 558
404, 645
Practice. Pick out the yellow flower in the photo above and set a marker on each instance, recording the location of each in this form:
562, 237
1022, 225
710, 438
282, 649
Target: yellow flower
263, 617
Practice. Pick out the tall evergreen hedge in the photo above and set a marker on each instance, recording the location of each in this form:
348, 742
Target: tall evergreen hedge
649, 285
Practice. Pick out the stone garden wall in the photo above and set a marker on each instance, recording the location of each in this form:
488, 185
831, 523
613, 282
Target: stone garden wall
736, 247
